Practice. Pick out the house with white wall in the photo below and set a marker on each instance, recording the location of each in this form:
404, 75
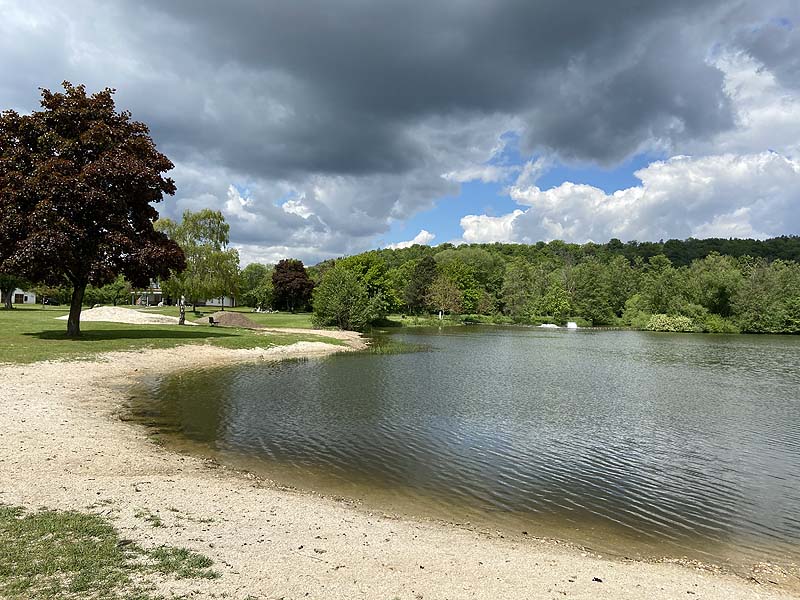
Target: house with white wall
20, 296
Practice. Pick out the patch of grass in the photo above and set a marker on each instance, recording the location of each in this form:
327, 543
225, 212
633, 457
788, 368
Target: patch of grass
392, 321
182, 563
54, 554
149, 517
388, 345
30, 334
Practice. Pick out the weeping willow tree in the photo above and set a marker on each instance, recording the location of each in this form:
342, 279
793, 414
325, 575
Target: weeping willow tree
212, 269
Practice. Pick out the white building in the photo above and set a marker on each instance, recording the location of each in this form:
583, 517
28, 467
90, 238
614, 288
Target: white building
224, 301
20, 297
153, 295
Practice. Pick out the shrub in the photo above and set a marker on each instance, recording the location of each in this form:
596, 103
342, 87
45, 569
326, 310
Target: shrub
673, 323
717, 324
341, 300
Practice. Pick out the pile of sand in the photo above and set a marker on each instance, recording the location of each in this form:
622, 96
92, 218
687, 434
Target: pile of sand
231, 319
117, 314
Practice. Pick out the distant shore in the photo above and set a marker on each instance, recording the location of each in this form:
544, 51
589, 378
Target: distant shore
65, 447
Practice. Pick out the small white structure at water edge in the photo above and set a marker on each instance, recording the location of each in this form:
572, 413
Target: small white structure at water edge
549, 326
572, 325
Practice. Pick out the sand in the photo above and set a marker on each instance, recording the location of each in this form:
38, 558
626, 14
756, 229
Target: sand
118, 314
64, 446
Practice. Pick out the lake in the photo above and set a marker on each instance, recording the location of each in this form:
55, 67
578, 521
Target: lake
631, 443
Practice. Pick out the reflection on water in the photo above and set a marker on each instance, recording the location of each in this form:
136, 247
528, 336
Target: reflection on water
642, 444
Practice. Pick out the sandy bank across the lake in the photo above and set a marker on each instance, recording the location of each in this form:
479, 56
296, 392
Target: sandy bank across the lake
63, 446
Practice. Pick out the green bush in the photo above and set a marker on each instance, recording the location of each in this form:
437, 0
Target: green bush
341, 300
635, 314
472, 318
717, 324
673, 323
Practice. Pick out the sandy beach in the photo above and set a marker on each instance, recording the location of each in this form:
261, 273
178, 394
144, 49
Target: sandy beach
64, 446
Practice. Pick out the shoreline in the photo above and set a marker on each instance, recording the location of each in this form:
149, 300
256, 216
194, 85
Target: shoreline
65, 447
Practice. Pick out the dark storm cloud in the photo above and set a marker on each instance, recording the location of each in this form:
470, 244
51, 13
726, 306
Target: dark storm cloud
776, 44
590, 80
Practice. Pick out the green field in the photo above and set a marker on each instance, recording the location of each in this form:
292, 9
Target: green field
30, 334
276, 319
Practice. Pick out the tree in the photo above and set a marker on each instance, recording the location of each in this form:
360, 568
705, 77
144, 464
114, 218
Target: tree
416, 290
444, 295
661, 286
342, 299
212, 269
77, 180
764, 303
592, 298
713, 282
292, 286
373, 274
517, 290
555, 303
255, 286
111, 293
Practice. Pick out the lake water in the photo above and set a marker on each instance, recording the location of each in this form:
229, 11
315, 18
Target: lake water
631, 443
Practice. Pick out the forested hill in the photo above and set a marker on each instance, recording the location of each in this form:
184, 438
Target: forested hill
679, 252
720, 285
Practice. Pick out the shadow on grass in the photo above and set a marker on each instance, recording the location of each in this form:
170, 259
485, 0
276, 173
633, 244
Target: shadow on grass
100, 335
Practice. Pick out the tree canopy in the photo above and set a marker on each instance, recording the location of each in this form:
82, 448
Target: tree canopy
342, 299
255, 286
77, 184
212, 269
292, 285
619, 284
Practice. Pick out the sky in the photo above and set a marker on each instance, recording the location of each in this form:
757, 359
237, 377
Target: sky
326, 128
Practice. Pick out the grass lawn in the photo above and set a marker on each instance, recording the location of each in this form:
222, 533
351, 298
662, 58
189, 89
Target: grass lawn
52, 554
30, 334
277, 319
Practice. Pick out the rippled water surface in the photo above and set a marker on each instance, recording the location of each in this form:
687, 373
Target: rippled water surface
635, 443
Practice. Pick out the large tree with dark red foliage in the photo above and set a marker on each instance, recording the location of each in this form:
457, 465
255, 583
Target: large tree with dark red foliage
77, 180
292, 286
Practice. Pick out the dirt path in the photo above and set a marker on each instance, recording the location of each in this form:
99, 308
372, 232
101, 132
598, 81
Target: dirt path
63, 446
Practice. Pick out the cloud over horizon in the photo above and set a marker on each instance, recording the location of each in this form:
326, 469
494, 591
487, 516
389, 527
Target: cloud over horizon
750, 196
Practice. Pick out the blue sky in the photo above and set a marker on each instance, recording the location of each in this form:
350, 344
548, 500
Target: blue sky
477, 197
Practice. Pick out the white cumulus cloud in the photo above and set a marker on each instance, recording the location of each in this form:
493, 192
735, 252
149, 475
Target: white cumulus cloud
729, 195
423, 238
483, 228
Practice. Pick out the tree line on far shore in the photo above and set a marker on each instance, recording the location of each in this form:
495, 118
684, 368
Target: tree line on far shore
614, 284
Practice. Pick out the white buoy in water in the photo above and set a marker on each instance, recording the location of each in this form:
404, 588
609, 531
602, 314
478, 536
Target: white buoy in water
572, 325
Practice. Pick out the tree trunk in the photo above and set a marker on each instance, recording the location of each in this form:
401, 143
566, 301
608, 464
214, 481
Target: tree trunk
74, 320
8, 297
